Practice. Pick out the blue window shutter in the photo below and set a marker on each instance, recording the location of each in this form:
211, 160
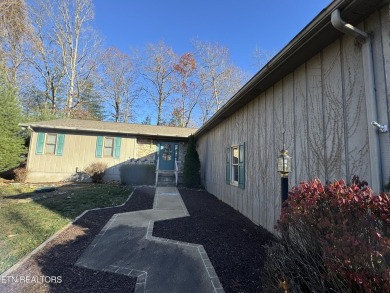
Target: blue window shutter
60, 144
99, 147
241, 166
40, 143
117, 147
228, 165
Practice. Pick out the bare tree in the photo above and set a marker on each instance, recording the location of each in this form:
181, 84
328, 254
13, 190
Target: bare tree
14, 31
78, 42
158, 73
220, 78
189, 88
117, 83
46, 55
64, 50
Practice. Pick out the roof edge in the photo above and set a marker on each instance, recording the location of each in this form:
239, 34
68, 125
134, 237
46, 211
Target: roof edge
144, 134
249, 90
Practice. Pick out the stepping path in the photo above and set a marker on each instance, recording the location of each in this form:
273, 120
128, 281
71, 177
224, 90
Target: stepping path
126, 246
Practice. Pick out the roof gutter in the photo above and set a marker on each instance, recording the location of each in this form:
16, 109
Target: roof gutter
371, 99
144, 134
255, 84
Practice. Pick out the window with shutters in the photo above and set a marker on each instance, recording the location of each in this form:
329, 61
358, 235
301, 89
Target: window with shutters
108, 147
50, 143
235, 165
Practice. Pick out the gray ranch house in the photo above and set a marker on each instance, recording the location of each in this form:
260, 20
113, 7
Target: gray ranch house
325, 97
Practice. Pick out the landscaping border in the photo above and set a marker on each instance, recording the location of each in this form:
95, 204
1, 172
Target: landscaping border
43, 244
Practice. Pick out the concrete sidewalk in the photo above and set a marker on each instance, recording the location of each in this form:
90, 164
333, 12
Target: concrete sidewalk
126, 246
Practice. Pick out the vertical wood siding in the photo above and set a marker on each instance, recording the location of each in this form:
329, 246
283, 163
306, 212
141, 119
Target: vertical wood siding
318, 112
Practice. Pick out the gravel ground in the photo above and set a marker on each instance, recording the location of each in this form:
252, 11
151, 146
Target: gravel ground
233, 243
57, 258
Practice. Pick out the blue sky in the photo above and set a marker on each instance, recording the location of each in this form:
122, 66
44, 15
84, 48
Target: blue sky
240, 26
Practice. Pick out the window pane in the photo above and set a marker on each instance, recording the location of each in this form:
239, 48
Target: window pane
108, 152
235, 155
50, 148
51, 138
109, 142
167, 153
235, 173
176, 152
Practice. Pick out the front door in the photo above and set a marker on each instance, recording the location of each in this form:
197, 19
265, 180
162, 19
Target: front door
167, 155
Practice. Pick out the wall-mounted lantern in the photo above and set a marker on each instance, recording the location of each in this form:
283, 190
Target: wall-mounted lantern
284, 168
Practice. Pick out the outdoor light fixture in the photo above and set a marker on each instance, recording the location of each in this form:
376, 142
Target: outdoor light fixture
284, 168
284, 163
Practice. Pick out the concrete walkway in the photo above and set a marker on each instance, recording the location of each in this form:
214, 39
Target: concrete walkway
126, 246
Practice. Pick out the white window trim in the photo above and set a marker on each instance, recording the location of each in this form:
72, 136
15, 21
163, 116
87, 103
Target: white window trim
46, 143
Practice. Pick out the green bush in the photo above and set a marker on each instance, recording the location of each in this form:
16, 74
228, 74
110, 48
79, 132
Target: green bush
335, 238
191, 169
137, 174
11, 143
96, 171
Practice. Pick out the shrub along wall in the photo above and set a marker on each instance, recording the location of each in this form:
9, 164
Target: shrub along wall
335, 238
137, 174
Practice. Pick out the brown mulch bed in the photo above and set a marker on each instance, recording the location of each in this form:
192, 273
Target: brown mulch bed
57, 258
233, 243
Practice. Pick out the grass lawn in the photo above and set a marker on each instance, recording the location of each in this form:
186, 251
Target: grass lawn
27, 219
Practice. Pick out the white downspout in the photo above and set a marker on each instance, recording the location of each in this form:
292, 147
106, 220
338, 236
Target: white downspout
371, 102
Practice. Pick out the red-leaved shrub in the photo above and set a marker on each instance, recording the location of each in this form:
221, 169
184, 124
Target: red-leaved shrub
335, 238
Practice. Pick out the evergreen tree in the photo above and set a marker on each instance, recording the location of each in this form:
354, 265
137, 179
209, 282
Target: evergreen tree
191, 170
11, 144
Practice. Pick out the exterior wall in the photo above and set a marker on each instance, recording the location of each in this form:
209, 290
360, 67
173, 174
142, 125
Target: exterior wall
146, 149
319, 112
79, 152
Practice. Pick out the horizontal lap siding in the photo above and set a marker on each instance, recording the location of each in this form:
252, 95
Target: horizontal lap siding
318, 111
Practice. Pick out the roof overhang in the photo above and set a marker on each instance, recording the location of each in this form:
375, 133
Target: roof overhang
152, 135
318, 34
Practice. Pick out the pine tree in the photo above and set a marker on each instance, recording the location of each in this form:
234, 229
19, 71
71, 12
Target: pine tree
191, 170
11, 144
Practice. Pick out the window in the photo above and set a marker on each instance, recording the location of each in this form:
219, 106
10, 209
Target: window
176, 152
108, 146
234, 160
167, 152
235, 165
50, 143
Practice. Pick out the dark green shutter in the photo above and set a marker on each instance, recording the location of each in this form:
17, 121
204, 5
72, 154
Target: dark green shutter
241, 166
40, 143
99, 147
60, 144
228, 165
117, 147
